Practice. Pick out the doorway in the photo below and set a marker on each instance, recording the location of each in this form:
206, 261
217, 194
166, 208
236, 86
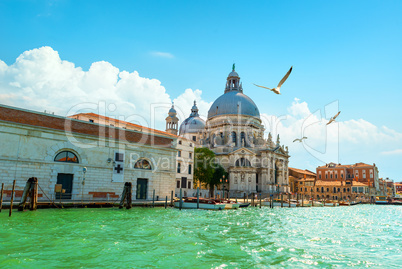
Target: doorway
142, 186
66, 180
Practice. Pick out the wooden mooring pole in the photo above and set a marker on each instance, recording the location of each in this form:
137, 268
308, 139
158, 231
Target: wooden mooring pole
281, 199
153, 199
171, 199
12, 199
31, 190
126, 196
198, 198
181, 199
260, 201
166, 203
1, 196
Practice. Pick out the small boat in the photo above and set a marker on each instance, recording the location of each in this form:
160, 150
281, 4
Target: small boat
244, 204
344, 203
396, 202
191, 203
381, 200
229, 204
317, 204
330, 203
304, 203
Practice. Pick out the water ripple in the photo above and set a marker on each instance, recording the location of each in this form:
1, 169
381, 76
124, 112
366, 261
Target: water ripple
359, 236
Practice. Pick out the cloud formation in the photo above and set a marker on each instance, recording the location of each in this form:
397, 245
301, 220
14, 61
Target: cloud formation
162, 54
347, 142
40, 80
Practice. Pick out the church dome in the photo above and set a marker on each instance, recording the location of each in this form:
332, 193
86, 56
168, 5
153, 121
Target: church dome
233, 102
192, 124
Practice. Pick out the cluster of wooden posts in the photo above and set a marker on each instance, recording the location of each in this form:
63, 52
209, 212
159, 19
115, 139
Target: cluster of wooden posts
30, 190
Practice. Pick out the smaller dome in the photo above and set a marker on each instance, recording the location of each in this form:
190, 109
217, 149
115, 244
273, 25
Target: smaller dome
172, 110
233, 74
192, 125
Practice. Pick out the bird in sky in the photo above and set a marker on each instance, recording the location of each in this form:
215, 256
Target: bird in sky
333, 118
277, 89
300, 139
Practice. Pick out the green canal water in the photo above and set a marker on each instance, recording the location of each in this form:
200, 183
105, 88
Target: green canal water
359, 236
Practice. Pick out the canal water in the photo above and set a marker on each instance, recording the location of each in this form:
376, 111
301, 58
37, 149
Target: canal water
360, 236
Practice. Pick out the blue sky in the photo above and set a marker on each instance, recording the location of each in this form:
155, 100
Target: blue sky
343, 51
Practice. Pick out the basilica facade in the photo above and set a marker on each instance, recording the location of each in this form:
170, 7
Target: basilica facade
234, 132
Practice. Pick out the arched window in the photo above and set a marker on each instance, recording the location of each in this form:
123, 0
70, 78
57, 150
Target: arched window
66, 157
142, 164
242, 138
234, 137
243, 162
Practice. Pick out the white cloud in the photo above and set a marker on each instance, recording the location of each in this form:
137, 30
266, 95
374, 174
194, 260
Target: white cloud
40, 80
162, 54
392, 152
347, 141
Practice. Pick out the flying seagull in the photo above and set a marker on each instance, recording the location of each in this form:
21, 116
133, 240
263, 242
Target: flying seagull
333, 118
299, 139
277, 89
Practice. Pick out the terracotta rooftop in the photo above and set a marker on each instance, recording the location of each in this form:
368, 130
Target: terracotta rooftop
345, 165
112, 120
43, 120
306, 172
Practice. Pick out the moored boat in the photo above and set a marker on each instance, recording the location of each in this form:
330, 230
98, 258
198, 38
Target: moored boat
244, 204
191, 203
381, 200
229, 204
331, 203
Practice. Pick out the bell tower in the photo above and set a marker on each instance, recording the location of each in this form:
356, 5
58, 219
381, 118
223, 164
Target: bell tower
172, 122
233, 82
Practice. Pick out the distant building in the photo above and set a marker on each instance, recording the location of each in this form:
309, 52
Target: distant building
295, 175
360, 172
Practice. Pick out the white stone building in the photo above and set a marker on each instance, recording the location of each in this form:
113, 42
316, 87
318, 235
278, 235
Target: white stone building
56, 149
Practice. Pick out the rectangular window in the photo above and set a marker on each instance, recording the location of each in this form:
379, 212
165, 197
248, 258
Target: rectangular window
179, 142
179, 153
189, 185
178, 184
91, 120
178, 168
194, 138
119, 157
319, 176
190, 155
183, 182
189, 169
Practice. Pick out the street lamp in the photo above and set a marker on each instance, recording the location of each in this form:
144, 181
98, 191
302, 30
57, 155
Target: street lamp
223, 187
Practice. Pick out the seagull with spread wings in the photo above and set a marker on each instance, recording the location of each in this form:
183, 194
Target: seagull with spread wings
277, 89
333, 118
300, 139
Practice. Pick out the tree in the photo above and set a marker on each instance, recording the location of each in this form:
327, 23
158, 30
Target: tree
218, 175
206, 169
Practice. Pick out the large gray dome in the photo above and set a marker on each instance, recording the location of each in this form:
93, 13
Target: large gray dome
233, 102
